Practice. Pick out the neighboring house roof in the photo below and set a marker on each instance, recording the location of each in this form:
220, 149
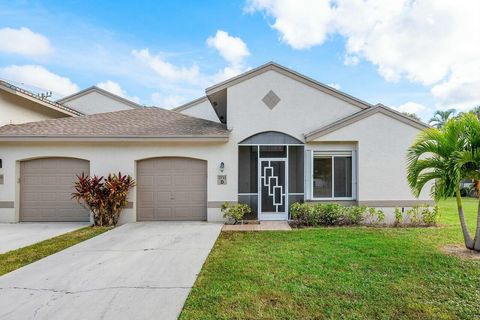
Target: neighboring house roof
8, 87
100, 91
190, 104
291, 74
147, 123
379, 108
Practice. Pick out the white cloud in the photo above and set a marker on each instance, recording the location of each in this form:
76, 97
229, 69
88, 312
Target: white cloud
334, 85
167, 101
166, 76
24, 41
40, 77
461, 89
301, 24
430, 42
166, 69
232, 49
115, 88
411, 107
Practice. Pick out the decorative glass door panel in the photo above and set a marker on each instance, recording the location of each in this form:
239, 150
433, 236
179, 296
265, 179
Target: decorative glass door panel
273, 189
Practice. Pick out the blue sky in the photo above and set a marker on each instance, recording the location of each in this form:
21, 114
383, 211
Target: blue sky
158, 52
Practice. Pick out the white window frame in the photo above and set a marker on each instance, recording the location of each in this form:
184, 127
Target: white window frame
332, 154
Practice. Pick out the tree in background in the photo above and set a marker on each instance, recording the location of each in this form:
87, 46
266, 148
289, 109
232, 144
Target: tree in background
441, 117
412, 115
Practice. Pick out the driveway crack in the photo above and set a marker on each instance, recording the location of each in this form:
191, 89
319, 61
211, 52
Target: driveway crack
97, 289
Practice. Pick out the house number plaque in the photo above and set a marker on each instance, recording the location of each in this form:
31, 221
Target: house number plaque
221, 179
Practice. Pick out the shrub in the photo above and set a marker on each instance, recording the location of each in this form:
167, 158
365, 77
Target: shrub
374, 216
431, 216
235, 212
105, 198
302, 213
354, 215
398, 217
417, 216
325, 214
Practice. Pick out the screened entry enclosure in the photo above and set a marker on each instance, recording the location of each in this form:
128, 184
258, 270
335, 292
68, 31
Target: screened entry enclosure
271, 174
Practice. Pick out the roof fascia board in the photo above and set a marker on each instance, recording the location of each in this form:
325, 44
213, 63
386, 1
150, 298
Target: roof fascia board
100, 91
293, 75
362, 115
116, 138
62, 109
190, 104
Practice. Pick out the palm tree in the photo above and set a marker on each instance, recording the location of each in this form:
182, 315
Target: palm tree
446, 156
441, 117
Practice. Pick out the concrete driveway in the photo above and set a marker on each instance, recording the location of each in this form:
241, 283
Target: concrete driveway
19, 235
136, 271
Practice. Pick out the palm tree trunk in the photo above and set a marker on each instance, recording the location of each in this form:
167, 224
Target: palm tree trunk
466, 235
476, 245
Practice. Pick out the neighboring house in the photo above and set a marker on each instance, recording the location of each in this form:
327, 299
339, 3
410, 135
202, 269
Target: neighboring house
19, 106
278, 137
96, 100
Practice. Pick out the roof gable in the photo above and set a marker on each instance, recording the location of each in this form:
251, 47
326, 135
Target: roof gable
100, 91
379, 108
291, 74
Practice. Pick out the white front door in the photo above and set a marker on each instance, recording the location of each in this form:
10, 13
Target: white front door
273, 189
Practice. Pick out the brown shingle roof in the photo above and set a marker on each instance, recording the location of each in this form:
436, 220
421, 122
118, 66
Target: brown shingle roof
136, 123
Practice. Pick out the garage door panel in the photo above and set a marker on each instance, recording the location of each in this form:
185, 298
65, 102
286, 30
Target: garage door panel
179, 189
146, 181
45, 190
163, 181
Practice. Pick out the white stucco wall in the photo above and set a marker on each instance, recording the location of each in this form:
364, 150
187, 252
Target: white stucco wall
382, 143
113, 157
301, 109
94, 102
15, 110
202, 110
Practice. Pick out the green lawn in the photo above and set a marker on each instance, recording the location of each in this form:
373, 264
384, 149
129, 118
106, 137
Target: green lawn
339, 273
18, 258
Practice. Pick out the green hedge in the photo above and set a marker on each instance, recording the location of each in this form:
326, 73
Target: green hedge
305, 214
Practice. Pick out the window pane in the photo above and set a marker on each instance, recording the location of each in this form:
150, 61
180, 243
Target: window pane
343, 176
322, 177
295, 169
247, 169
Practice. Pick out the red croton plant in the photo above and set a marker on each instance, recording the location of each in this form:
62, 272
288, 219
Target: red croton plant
105, 198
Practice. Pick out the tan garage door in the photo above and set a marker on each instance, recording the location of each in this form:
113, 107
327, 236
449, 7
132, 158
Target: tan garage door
172, 189
45, 189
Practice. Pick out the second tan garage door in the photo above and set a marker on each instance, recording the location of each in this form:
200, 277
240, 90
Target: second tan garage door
171, 189
46, 187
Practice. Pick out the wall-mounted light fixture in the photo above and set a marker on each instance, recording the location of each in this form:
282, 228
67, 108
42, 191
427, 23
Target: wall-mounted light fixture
222, 166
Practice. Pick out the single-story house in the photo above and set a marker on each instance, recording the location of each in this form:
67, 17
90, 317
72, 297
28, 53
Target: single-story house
268, 138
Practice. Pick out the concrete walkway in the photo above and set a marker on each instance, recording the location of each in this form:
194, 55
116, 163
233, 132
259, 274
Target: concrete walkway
136, 271
19, 235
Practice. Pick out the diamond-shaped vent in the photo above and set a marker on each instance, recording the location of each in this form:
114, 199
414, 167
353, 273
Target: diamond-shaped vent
271, 99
